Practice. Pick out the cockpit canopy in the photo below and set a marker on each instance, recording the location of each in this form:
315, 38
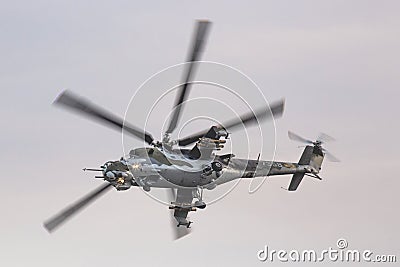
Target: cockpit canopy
141, 152
115, 165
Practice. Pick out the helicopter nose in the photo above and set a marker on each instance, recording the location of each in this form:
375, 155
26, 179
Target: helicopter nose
110, 175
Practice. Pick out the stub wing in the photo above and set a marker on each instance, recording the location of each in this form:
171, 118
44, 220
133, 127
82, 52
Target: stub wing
181, 207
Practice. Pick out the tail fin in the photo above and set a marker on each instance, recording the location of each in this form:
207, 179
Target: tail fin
313, 156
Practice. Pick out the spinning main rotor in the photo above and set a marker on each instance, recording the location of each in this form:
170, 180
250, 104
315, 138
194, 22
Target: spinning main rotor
69, 100
84, 107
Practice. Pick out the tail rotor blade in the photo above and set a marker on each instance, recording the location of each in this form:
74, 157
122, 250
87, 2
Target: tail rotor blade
331, 157
71, 210
324, 138
295, 137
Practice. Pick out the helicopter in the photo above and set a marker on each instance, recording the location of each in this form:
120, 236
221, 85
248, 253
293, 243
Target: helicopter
186, 172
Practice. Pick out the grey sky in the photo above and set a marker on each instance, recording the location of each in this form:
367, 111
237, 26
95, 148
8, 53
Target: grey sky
335, 62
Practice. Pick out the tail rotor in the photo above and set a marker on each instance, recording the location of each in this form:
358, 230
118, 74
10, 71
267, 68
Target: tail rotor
321, 139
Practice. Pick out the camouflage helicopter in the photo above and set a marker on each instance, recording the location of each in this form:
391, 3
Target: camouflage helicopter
186, 172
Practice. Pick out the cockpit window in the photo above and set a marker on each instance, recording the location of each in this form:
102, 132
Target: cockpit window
138, 152
115, 165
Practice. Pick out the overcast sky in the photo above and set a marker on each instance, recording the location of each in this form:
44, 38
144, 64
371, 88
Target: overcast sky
335, 62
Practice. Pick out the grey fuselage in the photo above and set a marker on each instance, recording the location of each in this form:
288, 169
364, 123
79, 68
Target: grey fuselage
162, 168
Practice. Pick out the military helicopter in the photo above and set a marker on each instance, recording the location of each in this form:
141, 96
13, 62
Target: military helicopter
185, 172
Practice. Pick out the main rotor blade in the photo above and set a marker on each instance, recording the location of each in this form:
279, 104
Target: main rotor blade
73, 102
298, 138
198, 43
71, 210
324, 138
246, 119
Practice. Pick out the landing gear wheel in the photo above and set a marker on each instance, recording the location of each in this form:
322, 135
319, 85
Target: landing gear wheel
146, 188
200, 204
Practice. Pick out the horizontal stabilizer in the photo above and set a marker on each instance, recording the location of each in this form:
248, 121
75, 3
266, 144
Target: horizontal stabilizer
296, 180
